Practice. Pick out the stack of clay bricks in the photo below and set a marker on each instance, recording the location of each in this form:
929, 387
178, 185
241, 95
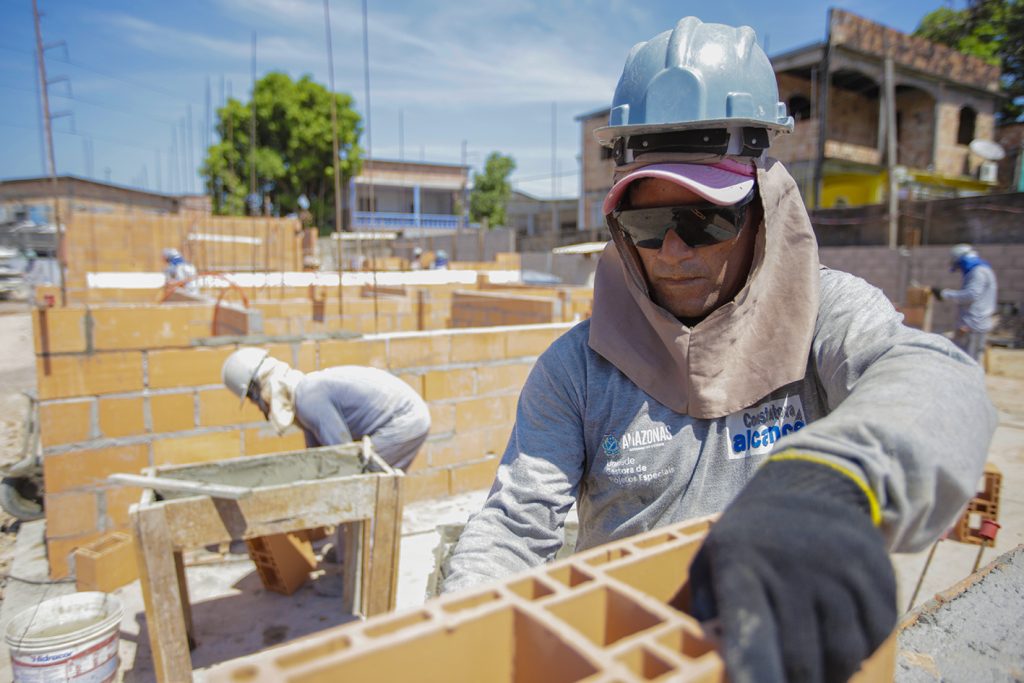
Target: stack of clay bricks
608, 614
984, 506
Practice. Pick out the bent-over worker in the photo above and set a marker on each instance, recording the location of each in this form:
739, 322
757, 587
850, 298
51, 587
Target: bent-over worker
724, 368
333, 406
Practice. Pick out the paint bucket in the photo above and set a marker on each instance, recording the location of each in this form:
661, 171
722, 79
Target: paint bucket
70, 638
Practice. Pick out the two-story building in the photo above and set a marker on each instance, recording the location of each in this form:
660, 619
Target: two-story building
835, 90
409, 196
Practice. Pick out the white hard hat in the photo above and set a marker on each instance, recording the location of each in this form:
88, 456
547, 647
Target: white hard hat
171, 253
240, 369
958, 251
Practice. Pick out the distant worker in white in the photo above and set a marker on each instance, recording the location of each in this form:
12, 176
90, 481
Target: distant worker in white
333, 406
976, 299
180, 270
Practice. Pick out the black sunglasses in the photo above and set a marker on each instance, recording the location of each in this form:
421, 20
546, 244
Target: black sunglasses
696, 224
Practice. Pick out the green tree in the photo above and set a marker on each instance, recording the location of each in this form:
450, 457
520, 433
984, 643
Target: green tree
491, 190
293, 154
992, 30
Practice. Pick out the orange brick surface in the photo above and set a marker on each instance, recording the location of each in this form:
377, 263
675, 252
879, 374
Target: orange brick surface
473, 476
218, 407
121, 416
59, 330
106, 564
59, 550
147, 327
425, 485
442, 417
172, 412
344, 352
186, 367
87, 375
531, 342
61, 423
283, 561
92, 466
478, 346
443, 384
117, 500
197, 448
70, 514
478, 413
419, 351
495, 378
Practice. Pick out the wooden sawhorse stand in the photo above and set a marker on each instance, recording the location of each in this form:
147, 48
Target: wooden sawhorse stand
290, 492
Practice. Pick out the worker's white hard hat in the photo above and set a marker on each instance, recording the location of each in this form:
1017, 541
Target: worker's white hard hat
240, 369
958, 251
171, 254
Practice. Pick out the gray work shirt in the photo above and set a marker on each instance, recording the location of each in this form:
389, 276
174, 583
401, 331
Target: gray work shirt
976, 298
904, 407
346, 403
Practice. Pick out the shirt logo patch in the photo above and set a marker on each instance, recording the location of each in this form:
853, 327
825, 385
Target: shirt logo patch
754, 430
610, 445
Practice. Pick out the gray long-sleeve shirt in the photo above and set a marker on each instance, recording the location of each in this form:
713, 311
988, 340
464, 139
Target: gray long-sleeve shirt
976, 298
346, 403
905, 408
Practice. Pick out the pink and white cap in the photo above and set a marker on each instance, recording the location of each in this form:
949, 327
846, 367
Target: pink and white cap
724, 183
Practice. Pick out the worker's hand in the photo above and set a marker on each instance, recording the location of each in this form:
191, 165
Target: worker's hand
937, 291
797, 575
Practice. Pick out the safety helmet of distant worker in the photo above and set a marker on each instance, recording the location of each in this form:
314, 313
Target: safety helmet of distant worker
441, 259
240, 370
703, 89
172, 255
960, 255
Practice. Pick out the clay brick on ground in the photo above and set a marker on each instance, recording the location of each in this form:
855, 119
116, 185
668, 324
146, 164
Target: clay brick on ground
444, 384
172, 368
283, 561
261, 440
197, 448
121, 416
71, 514
220, 407
106, 564
59, 550
92, 466
59, 330
88, 375
61, 423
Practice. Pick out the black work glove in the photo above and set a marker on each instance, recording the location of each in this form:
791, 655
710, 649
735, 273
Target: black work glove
937, 291
798, 576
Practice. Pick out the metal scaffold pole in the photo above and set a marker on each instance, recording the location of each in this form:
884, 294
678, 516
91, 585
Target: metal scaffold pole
337, 166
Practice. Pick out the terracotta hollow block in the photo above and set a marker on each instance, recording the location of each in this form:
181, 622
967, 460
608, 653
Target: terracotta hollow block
479, 413
482, 346
71, 514
89, 375
531, 342
439, 385
428, 484
356, 352
106, 564
92, 466
419, 351
59, 552
191, 367
173, 412
197, 448
283, 561
121, 416
61, 423
59, 330
220, 407
473, 476
145, 327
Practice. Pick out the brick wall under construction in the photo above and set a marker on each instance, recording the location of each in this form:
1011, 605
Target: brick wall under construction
122, 388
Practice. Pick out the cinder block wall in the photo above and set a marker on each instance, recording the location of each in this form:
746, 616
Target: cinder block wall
121, 390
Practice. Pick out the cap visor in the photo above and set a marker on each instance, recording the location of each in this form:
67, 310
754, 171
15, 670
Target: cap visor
723, 184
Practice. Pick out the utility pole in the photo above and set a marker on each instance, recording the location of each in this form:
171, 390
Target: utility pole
554, 169
339, 251
890, 151
252, 133
50, 157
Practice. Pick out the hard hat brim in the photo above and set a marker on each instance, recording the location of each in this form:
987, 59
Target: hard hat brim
724, 183
607, 135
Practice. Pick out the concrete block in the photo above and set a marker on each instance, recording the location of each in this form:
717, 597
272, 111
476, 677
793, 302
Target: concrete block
419, 351
121, 416
173, 412
439, 385
219, 407
71, 513
283, 561
186, 367
260, 440
90, 467
106, 564
198, 448
65, 422
88, 375
60, 330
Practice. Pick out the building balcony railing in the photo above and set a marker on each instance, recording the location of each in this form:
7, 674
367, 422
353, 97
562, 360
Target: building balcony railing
380, 220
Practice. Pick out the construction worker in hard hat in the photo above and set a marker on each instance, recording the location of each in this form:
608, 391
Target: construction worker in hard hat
724, 370
333, 406
178, 270
976, 299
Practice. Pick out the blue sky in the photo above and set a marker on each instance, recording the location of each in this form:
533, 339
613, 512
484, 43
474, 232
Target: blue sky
488, 72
